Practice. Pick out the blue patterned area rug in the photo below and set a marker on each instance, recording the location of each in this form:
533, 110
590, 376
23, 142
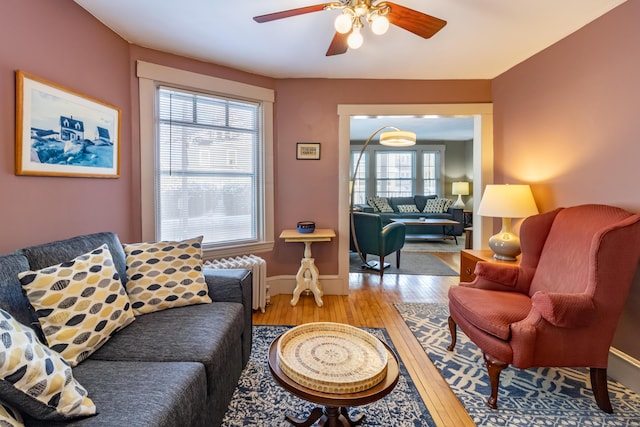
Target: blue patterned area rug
260, 401
530, 397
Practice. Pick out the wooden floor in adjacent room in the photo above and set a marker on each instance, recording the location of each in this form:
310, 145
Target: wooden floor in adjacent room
370, 304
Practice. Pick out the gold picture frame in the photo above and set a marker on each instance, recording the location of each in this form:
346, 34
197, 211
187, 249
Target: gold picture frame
62, 132
308, 151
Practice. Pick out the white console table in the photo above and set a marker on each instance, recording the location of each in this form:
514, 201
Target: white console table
307, 277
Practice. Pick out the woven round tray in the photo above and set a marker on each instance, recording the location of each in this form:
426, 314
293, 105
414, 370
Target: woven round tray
332, 357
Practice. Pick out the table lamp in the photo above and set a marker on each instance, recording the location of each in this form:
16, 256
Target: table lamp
506, 202
460, 189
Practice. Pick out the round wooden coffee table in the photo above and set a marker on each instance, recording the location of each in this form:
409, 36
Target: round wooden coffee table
334, 411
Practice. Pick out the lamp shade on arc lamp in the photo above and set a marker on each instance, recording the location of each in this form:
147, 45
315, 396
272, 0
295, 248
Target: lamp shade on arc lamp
460, 188
506, 202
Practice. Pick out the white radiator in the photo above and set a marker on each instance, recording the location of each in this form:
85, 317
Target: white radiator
258, 268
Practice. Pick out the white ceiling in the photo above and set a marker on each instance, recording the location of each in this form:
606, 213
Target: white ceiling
429, 128
482, 38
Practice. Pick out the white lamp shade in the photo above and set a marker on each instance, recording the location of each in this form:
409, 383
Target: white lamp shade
343, 23
507, 201
355, 39
379, 25
460, 188
398, 138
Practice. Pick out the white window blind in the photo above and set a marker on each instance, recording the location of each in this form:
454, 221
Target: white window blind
360, 182
208, 176
431, 172
395, 173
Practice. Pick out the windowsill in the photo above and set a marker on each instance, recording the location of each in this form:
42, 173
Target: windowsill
233, 251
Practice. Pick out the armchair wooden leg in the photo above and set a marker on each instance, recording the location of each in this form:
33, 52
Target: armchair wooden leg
398, 259
454, 333
381, 265
494, 367
600, 389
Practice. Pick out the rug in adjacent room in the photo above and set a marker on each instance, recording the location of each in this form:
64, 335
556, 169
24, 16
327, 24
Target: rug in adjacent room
530, 397
415, 263
260, 401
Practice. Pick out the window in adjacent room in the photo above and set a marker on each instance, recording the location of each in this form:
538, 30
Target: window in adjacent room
395, 173
360, 182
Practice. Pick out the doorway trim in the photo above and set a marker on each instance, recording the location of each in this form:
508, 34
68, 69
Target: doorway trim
482, 163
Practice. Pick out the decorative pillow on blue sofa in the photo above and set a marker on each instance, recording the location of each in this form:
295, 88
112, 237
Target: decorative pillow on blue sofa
408, 208
438, 205
379, 204
9, 417
79, 303
163, 275
35, 379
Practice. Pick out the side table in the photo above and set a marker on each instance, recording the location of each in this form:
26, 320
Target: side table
334, 413
307, 276
469, 259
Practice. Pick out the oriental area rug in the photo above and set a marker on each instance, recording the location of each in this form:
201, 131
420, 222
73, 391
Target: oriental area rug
259, 401
530, 397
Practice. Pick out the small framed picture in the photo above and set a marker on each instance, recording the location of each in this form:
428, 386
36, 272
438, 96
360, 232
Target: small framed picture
308, 151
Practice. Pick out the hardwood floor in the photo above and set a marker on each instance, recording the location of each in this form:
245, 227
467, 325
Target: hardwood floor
370, 304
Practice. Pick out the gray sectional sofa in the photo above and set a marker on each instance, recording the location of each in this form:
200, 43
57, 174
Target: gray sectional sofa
176, 367
420, 202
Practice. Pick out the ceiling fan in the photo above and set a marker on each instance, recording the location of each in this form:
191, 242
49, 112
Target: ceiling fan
354, 12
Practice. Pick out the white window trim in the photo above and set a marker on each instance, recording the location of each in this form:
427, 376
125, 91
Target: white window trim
150, 76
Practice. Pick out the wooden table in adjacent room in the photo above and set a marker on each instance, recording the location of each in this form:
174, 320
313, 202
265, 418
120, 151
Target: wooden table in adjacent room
307, 278
429, 222
334, 411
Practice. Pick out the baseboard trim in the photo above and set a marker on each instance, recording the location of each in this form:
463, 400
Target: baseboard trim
624, 369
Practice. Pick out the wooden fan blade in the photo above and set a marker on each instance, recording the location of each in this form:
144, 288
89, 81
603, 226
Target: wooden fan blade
338, 45
418, 23
289, 13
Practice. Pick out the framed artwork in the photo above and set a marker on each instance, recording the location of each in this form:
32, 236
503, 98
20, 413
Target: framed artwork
308, 151
61, 132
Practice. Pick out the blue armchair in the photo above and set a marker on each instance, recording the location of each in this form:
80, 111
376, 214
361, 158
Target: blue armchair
371, 238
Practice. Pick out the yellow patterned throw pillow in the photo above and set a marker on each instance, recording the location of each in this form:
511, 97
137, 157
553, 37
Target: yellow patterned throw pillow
79, 303
34, 379
163, 275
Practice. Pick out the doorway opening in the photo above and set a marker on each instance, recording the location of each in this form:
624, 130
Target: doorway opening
482, 147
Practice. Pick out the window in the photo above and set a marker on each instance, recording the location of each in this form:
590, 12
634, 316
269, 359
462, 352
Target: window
398, 172
206, 161
360, 182
209, 167
430, 173
395, 173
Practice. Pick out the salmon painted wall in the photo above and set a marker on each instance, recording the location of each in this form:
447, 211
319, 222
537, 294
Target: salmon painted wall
566, 121
62, 43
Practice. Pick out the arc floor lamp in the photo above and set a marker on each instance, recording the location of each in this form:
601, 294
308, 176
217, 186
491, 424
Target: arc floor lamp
392, 138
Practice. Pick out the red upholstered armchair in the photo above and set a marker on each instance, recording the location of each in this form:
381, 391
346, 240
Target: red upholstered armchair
560, 306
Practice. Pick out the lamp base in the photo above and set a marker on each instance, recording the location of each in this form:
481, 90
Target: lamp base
459, 204
505, 245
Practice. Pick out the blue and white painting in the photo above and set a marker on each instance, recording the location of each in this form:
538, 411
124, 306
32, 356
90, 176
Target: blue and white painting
67, 134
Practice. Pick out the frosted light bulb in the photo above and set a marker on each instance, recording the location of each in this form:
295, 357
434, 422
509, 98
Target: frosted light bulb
379, 25
355, 39
342, 23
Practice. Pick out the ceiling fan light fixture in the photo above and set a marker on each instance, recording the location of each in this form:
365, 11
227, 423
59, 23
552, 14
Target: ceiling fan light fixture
343, 22
355, 39
379, 24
